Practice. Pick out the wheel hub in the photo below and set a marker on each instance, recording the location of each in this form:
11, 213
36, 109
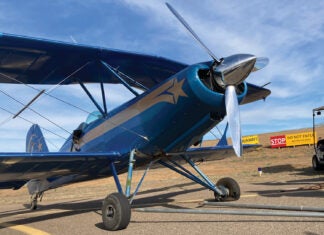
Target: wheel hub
110, 212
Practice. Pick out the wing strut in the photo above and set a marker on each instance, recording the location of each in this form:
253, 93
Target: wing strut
29, 103
119, 78
103, 97
91, 97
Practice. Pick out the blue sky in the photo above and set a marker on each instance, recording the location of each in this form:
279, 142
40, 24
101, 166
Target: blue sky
290, 33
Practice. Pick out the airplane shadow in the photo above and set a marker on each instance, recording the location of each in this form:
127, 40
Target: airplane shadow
306, 171
312, 183
290, 193
73, 207
163, 199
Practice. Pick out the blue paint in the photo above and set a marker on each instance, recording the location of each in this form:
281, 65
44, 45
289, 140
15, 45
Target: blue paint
176, 111
178, 124
223, 140
116, 178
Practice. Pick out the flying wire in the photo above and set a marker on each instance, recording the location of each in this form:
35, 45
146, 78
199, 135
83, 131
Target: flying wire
72, 105
76, 71
220, 133
46, 93
5, 121
53, 88
45, 129
25, 119
5, 93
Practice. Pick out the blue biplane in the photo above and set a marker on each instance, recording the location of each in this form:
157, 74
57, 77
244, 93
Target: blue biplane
180, 103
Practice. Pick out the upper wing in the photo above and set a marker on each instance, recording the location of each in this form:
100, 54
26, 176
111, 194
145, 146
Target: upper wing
38, 61
18, 168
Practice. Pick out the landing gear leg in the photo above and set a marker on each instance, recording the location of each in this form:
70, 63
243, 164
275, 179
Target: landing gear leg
226, 189
33, 204
116, 210
116, 207
34, 200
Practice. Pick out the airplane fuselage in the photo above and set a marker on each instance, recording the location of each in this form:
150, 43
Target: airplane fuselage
168, 118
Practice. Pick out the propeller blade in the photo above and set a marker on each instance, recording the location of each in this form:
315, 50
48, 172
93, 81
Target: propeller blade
233, 117
186, 25
260, 63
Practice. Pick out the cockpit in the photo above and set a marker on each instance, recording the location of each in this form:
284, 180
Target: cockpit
77, 133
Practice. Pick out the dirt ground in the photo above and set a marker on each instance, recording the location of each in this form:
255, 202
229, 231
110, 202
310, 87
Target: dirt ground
287, 179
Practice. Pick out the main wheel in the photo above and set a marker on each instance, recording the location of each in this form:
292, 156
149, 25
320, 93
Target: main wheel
316, 164
232, 188
116, 212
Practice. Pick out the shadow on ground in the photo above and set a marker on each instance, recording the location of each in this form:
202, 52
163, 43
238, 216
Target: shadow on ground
79, 207
311, 185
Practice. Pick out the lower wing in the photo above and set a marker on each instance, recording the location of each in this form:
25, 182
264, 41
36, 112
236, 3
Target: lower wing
18, 168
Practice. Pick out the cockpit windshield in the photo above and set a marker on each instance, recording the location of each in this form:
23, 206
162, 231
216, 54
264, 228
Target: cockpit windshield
95, 115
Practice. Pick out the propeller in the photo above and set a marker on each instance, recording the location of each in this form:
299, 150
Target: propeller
260, 63
187, 26
233, 118
229, 72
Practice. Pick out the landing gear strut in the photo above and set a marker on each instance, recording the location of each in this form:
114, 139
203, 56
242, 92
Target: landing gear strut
116, 207
226, 189
34, 199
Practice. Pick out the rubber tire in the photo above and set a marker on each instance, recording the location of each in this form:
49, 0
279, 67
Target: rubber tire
118, 207
316, 165
234, 191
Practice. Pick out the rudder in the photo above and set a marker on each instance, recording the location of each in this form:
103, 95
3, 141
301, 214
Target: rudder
35, 141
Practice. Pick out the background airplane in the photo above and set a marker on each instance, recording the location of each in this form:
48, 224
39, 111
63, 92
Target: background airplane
180, 103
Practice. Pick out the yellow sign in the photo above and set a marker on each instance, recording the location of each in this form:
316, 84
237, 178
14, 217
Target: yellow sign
300, 139
251, 139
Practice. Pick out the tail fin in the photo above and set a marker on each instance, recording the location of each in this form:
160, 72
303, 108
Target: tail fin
35, 142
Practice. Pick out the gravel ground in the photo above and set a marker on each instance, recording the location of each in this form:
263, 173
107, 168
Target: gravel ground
287, 179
